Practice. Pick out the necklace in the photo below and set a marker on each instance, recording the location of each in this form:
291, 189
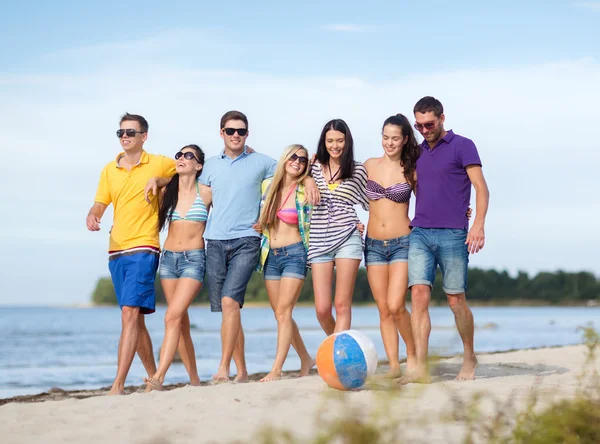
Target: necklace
332, 177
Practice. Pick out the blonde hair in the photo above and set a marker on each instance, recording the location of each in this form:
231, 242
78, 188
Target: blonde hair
268, 214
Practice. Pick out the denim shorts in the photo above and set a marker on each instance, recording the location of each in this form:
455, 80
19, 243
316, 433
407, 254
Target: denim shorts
288, 262
430, 247
385, 252
133, 276
229, 266
182, 264
352, 248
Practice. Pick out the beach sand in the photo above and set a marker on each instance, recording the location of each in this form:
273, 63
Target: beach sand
236, 412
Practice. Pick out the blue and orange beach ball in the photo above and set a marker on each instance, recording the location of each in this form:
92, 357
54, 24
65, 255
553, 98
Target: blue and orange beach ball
346, 359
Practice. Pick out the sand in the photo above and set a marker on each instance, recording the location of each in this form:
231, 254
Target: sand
236, 412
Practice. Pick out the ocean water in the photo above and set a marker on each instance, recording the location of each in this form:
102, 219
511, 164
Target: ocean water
76, 348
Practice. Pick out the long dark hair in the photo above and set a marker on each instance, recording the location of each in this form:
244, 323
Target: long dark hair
347, 158
171, 194
410, 151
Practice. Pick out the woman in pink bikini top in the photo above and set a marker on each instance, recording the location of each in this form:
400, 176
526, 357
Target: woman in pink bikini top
284, 223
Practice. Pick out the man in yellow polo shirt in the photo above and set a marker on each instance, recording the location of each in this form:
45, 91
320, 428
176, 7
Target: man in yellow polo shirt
134, 248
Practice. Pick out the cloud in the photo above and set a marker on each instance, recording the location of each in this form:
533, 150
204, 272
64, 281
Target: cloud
347, 27
594, 6
58, 132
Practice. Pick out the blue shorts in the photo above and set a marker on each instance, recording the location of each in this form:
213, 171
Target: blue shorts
133, 277
430, 247
182, 264
385, 252
229, 266
288, 262
352, 248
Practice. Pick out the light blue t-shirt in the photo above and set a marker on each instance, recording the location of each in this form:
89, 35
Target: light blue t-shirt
236, 195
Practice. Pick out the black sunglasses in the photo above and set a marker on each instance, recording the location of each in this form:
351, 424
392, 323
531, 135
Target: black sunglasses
129, 132
188, 155
231, 131
428, 126
295, 157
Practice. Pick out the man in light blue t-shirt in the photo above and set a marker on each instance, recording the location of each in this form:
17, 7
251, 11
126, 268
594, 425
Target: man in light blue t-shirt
232, 246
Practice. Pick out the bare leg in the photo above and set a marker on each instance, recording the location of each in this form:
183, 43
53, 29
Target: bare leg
421, 327
466, 328
185, 292
322, 277
144, 346
282, 296
345, 278
187, 351
378, 276
306, 361
185, 346
230, 336
398, 287
239, 357
127, 347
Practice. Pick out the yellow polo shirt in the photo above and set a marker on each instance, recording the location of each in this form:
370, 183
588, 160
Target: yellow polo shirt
135, 221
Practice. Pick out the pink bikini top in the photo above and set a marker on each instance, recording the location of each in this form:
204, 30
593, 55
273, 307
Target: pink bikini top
288, 215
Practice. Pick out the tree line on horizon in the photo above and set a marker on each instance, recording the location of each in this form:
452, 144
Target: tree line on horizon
484, 286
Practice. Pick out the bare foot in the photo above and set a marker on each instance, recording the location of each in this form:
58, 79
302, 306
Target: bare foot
195, 382
153, 384
467, 372
393, 373
273, 376
241, 378
115, 391
417, 376
411, 365
306, 365
222, 375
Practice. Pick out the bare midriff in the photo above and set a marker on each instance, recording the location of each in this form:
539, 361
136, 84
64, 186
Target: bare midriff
282, 234
388, 220
185, 235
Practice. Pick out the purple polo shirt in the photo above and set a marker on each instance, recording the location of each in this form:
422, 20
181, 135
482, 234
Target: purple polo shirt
443, 186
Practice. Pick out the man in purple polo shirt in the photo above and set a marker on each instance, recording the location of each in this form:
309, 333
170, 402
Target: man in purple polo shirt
446, 168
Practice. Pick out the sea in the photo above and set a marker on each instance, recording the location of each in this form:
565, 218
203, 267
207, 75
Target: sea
76, 348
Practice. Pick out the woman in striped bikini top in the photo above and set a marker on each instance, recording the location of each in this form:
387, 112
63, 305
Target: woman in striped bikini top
386, 246
183, 259
399, 193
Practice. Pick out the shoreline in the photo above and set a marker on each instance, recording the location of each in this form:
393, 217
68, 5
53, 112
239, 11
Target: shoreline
58, 394
592, 303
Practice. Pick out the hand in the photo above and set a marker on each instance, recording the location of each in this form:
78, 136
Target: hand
249, 150
151, 187
361, 228
469, 212
257, 228
92, 222
313, 197
475, 239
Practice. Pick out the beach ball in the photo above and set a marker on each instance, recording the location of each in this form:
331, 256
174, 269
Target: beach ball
346, 359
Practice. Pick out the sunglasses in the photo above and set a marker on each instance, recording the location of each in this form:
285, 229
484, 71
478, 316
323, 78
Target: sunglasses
231, 131
295, 157
428, 126
129, 132
188, 155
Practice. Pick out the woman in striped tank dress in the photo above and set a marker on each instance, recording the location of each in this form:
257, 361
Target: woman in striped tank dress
184, 208
335, 240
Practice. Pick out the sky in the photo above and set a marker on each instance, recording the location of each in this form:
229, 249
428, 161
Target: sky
519, 78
